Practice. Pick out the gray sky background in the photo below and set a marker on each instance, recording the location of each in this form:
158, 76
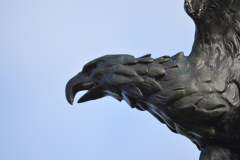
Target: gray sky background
44, 43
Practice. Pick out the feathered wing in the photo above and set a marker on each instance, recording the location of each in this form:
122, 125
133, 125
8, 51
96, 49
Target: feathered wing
217, 27
217, 39
216, 51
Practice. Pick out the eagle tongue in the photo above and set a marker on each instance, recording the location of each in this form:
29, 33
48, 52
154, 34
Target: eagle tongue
92, 94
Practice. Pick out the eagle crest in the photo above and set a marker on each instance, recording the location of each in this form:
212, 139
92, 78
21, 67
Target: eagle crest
196, 96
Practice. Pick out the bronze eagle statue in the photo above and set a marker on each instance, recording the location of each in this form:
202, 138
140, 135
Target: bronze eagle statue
196, 96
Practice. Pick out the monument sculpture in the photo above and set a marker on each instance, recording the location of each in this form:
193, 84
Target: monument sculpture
196, 95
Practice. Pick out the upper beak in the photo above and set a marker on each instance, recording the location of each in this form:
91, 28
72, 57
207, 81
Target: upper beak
76, 84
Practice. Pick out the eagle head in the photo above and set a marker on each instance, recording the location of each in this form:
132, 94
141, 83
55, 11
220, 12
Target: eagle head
118, 76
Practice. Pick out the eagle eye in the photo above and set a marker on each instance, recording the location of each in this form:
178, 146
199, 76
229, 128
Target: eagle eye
88, 70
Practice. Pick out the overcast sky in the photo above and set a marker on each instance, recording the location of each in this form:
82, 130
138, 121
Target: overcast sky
44, 43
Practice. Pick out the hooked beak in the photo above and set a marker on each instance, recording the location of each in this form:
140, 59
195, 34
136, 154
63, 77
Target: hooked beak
76, 84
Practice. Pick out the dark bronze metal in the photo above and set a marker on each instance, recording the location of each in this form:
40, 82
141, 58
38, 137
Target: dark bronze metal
196, 96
